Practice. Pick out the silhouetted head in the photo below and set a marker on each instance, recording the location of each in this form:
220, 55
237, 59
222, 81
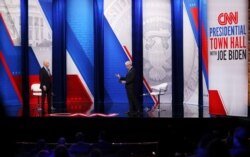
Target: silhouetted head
96, 153
43, 153
61, 140
41, 144
214, 148
79, 137
240, 136
211, 145
61, 151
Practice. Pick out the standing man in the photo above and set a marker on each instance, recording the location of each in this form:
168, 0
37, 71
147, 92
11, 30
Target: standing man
45, 85
129, 81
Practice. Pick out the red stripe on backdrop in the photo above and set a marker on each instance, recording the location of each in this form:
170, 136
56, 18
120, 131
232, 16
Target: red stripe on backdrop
128, 53
216, 106
83, 115
195, 13
204, 48
78, 99
12, 80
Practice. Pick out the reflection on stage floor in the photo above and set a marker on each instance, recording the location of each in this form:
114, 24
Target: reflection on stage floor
162, 111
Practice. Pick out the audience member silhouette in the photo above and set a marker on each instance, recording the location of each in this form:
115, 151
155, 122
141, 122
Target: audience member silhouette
103, 144
80, 147
211, 145
61, 151
43, 153
40, 145
60, 142
228, 140
216, 148
96, 153
240, 146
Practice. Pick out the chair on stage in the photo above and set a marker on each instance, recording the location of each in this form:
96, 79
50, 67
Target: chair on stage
159, 90
36, 91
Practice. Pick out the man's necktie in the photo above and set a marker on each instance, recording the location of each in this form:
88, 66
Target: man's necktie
49, 72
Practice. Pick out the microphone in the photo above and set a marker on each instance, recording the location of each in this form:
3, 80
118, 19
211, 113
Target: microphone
145, 94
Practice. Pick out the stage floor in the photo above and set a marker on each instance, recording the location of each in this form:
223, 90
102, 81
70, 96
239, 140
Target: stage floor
162, 111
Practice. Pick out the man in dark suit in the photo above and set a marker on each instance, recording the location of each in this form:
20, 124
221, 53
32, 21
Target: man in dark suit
129, 81
45, 85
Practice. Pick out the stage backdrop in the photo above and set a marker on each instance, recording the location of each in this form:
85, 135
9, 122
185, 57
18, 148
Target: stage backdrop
10, 57
228, 56
80, 56
204, 56
191, 52
117, 50
40, 42
157, 50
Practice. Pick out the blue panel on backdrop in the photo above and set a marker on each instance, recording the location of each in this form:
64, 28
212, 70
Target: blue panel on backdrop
80, 19
79, 57
8, 93
34, 65
80, 38
203, 23
114, 59
12, 56
81, 50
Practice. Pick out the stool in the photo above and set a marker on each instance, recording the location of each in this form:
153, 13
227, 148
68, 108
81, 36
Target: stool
36, 91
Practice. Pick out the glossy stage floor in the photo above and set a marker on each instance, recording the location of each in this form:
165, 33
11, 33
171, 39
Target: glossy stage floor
162, 111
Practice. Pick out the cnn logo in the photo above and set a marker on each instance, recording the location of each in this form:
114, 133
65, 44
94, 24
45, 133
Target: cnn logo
228, 18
